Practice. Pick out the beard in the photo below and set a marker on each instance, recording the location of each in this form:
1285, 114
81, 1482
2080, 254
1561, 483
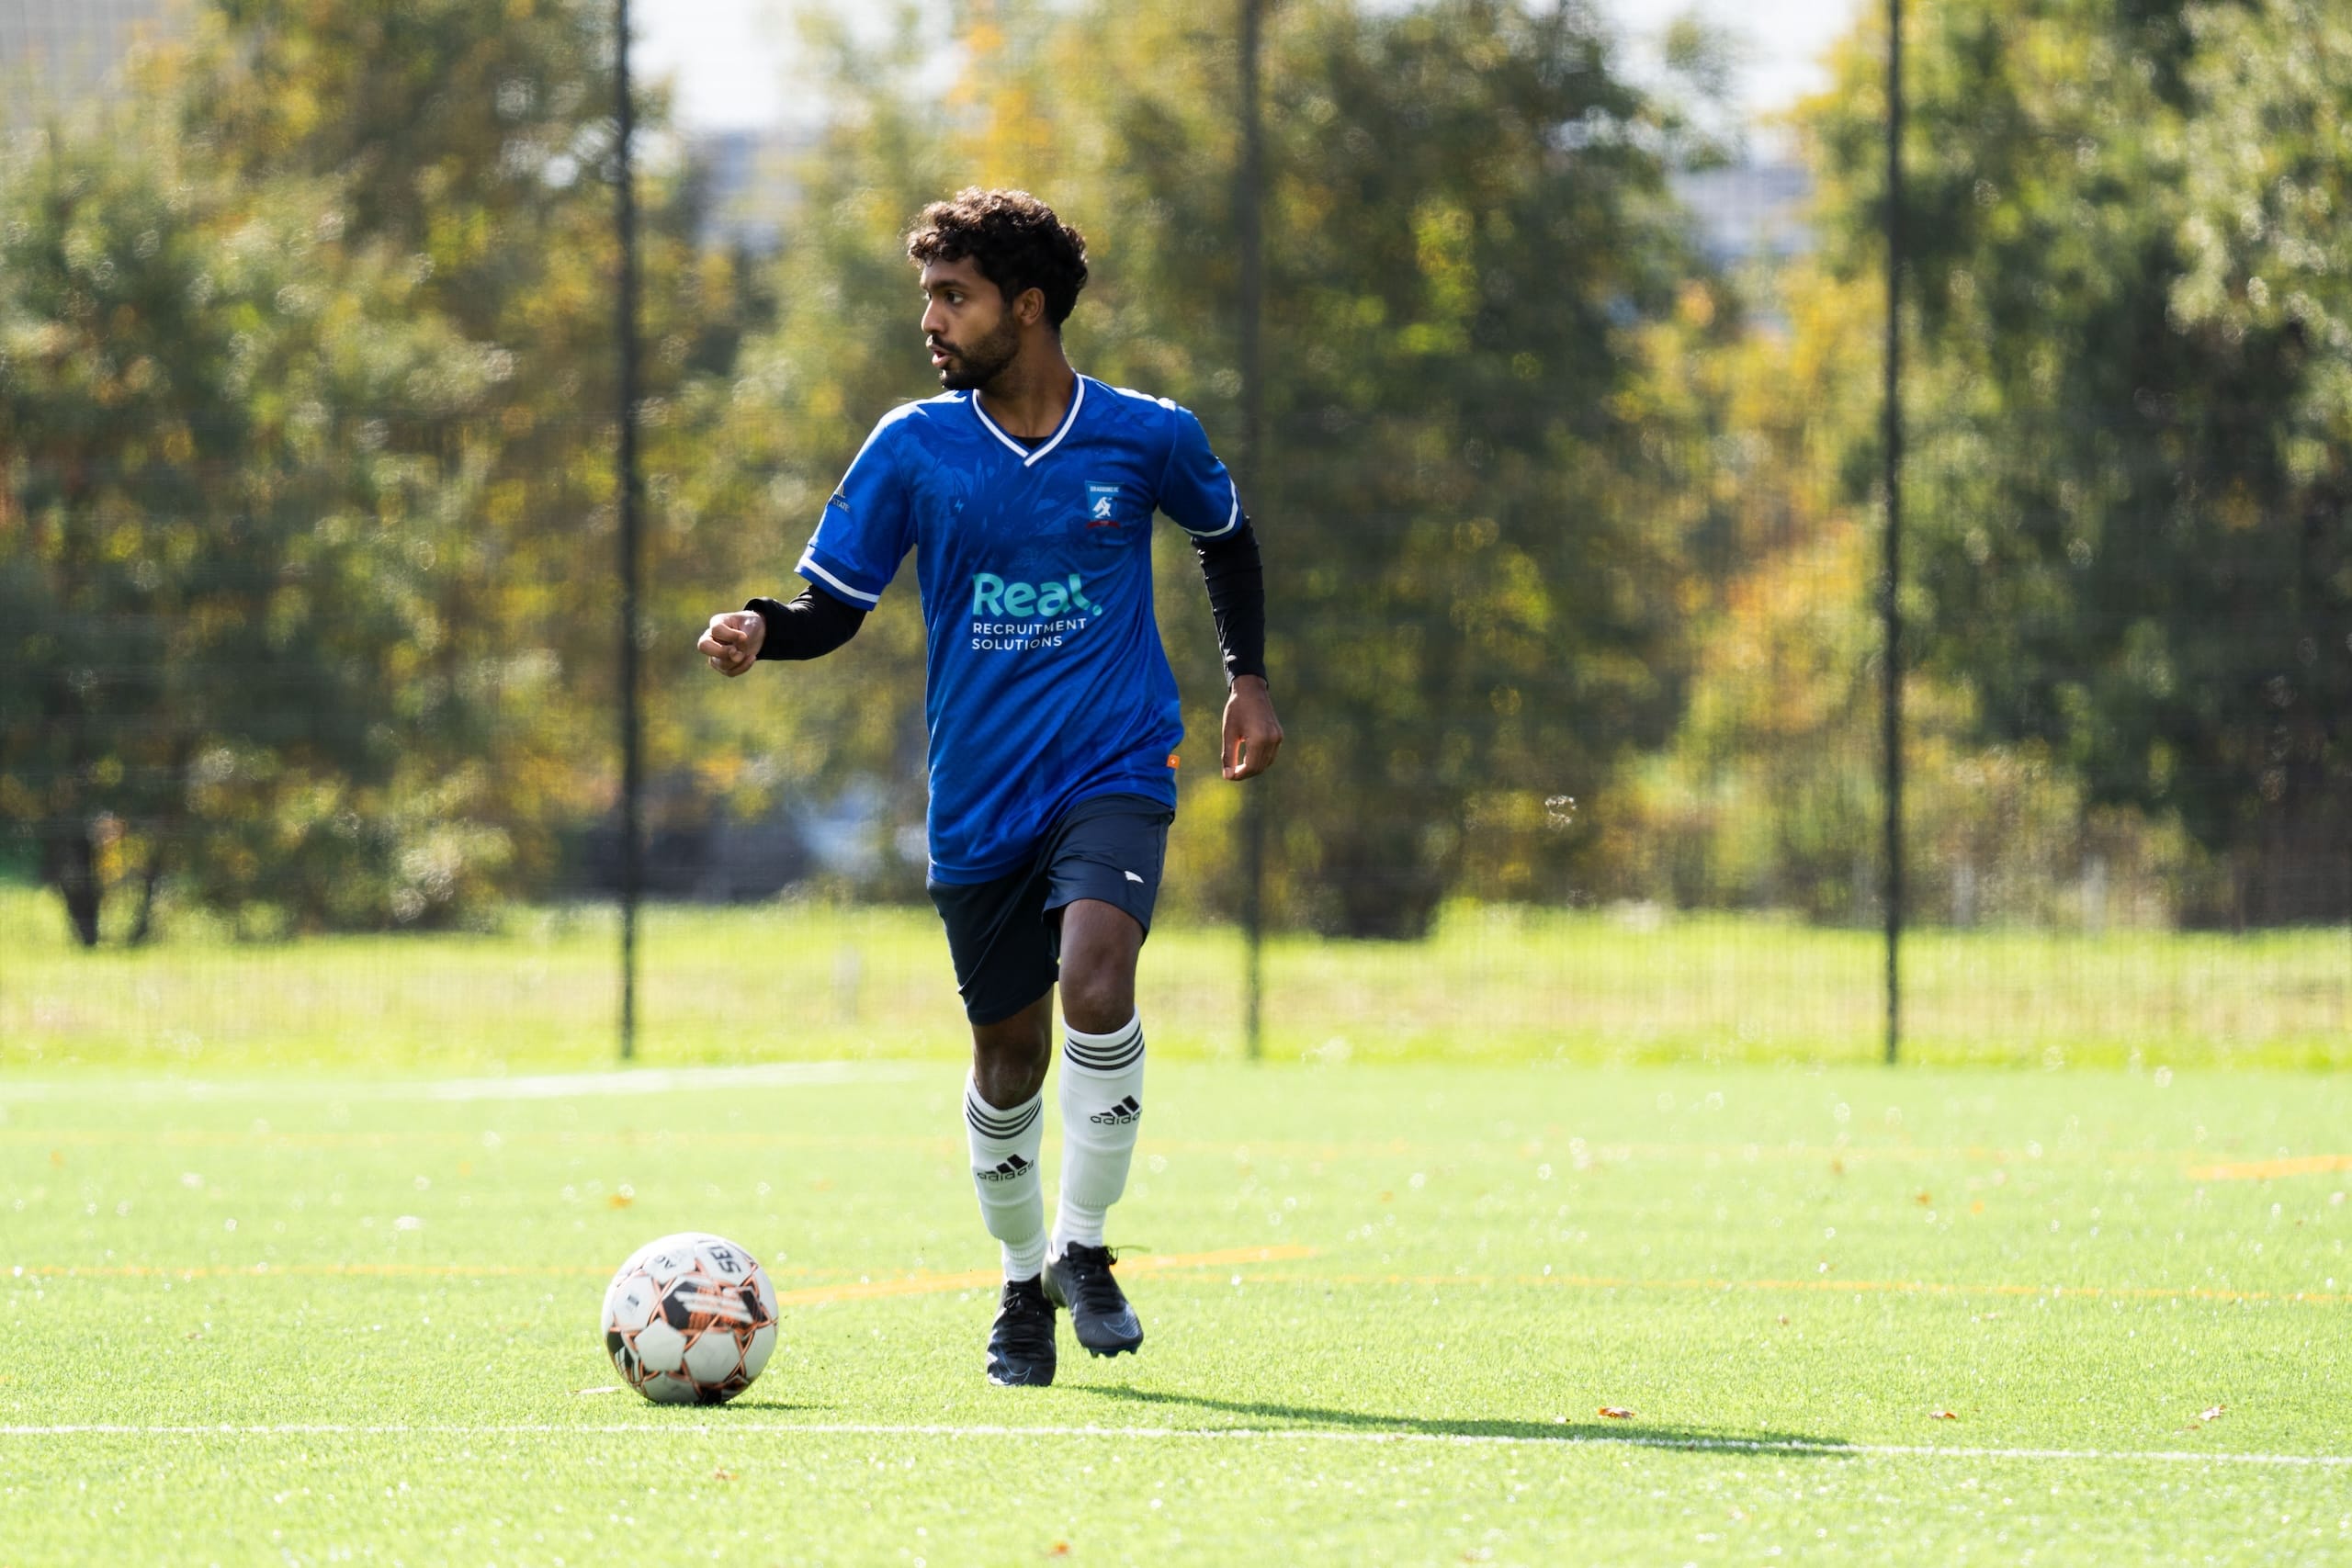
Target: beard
984, 361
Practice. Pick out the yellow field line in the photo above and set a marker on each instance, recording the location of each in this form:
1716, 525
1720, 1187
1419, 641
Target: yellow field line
2264, 1169
919, 1283
1823, 1285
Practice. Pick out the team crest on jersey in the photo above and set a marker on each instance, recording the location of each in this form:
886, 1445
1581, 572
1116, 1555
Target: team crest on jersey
1102, 504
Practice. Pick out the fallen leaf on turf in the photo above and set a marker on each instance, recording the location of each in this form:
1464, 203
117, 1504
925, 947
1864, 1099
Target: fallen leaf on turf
605, 1388
722, 1474
1923, 1199
57, 1156
1942, 1416
621, 1199
1616, 1413
1059, 1549
2211, 1415
1784, 1320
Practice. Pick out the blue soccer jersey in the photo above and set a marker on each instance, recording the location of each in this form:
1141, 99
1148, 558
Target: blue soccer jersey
1045, 682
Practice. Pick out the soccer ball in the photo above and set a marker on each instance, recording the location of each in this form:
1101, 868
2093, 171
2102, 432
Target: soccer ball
690, 1319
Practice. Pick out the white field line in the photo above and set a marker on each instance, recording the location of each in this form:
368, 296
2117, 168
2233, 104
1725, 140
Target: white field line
540, 1086
1824, 1449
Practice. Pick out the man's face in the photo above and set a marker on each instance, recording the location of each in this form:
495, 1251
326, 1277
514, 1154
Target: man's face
972, 335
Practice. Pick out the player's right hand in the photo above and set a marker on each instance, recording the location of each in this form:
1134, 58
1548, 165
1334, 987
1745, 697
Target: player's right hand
732, 643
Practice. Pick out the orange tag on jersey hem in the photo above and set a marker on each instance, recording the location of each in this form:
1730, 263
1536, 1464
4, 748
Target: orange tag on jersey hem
1173, 760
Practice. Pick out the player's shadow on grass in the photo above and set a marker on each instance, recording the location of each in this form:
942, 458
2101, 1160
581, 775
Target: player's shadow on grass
1798, 1445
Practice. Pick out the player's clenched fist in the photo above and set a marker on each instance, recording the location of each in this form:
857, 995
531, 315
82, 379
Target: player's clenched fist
1252, 734
732, 643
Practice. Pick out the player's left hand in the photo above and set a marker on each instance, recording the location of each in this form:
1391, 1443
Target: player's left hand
1254, 736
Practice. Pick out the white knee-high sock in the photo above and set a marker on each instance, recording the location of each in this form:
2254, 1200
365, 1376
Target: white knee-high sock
1004, 1170
1102, 1100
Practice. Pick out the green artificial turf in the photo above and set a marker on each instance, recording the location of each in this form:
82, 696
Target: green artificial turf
813, 982
353, 1319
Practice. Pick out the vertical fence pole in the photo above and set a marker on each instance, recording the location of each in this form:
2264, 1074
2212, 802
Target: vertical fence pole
632, 761
1248, 197
1890, 606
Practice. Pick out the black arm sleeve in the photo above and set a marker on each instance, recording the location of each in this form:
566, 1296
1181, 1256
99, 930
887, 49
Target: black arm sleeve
811, 626
1237, 584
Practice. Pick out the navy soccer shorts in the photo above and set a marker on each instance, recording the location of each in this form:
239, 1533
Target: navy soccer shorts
1006, 934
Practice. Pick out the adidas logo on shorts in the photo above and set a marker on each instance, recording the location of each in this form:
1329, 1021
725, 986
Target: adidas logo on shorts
1010, 1169
1118, 1115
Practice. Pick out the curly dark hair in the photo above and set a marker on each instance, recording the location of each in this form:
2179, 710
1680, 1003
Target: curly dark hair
1012, 238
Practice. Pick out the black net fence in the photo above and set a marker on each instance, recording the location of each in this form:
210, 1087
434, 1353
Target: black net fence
1575, 520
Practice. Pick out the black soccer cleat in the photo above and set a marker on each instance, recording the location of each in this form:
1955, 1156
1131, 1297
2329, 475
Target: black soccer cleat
1098, 1314
1021, 1342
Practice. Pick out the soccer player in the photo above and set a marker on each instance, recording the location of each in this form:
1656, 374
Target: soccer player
1029, 492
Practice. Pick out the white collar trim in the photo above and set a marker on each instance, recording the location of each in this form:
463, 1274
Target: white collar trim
1029, 458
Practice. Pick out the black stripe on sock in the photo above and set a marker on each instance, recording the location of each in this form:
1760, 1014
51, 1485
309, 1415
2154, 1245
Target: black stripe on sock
1119, 1048
1113, 1063
1120, 1052
1009, 1134
976, 1106
1000, 1127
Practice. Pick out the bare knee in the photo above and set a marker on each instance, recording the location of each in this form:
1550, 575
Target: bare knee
1098, 1000
1098, 993
1010, 1057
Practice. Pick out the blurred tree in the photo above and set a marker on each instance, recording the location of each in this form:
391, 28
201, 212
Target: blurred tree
357, 261
1770, 795
478, 143
212, 552
2135, 445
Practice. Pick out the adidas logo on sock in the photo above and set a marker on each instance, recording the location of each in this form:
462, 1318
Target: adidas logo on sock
1010, 1170
1118, 1115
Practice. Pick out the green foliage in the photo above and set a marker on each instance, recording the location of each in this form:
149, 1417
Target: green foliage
2131, 475
304, 447
480, 145
1770, 794
219, 533
1475, 600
